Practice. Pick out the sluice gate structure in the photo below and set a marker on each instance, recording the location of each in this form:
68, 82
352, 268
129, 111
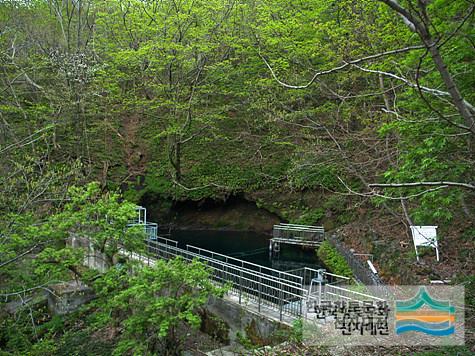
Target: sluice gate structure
293, 234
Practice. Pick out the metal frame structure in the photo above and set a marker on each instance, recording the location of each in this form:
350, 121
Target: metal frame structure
277, 292
425, 236
293, 234
150, 228
141, 215
299, 232
272, 292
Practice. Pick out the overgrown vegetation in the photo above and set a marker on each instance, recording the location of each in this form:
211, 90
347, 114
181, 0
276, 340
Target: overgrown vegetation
358, 115
333, 260
150, 307
153, 306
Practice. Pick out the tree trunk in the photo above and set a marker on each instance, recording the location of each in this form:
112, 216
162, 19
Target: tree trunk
453, 91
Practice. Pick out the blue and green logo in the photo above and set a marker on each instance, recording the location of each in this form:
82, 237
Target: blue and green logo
424, 314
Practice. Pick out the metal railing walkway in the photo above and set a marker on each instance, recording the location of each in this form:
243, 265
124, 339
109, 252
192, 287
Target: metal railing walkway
266, 288
271, 292
285, 296
293, 234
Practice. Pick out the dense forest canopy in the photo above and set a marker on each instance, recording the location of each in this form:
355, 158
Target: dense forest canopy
304, 107
128, 89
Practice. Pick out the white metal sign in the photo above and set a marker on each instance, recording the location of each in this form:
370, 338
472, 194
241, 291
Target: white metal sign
371, 267
425, 236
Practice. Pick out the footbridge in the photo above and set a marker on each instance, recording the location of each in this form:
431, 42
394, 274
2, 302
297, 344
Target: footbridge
280, 295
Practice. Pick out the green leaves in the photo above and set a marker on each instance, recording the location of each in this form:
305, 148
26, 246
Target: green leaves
103, 218
151, 303
333, 260
58, 265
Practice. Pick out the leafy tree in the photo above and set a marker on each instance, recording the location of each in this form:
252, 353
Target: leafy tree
372, 100
154, 305
101, 217
151, 304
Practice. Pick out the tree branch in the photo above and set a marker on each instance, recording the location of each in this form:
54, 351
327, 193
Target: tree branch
422, 29
406, 16
422, 184
3, 264
339, 68
373, 193
432, 91
202, 187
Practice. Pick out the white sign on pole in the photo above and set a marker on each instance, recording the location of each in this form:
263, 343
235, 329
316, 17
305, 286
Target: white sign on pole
425, 236
371, 267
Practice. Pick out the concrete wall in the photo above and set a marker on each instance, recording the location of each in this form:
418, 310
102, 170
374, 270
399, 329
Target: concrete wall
92, 259
64, 298
255, 327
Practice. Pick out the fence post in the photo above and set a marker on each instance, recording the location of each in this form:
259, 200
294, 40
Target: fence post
240, 285
259, 295
225, 275
301, 304
281, 304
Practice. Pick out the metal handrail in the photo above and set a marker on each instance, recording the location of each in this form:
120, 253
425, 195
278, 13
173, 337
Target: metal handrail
282, 291
349, 291
302, 226
296, 228
174, 242
242, 262
265, 290
290, 233
229, 265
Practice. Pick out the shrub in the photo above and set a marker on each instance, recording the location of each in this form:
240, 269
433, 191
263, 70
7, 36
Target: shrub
333, 260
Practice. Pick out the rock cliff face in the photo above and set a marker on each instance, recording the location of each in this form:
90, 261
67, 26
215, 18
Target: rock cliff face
235, 213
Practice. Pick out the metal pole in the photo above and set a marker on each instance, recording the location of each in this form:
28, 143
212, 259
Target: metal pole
240, 285
319, 293
280, 302
225, 275
259, 295
301, 302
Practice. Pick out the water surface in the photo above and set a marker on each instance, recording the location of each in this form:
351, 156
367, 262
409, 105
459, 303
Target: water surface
247, 245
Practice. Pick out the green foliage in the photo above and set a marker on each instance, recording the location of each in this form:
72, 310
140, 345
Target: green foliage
101, 217
304, 174
245, 341
83, 342
310, 216
175, 101
335, 262
469, 234
296, 335
153, 304
336, 203
54, 263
